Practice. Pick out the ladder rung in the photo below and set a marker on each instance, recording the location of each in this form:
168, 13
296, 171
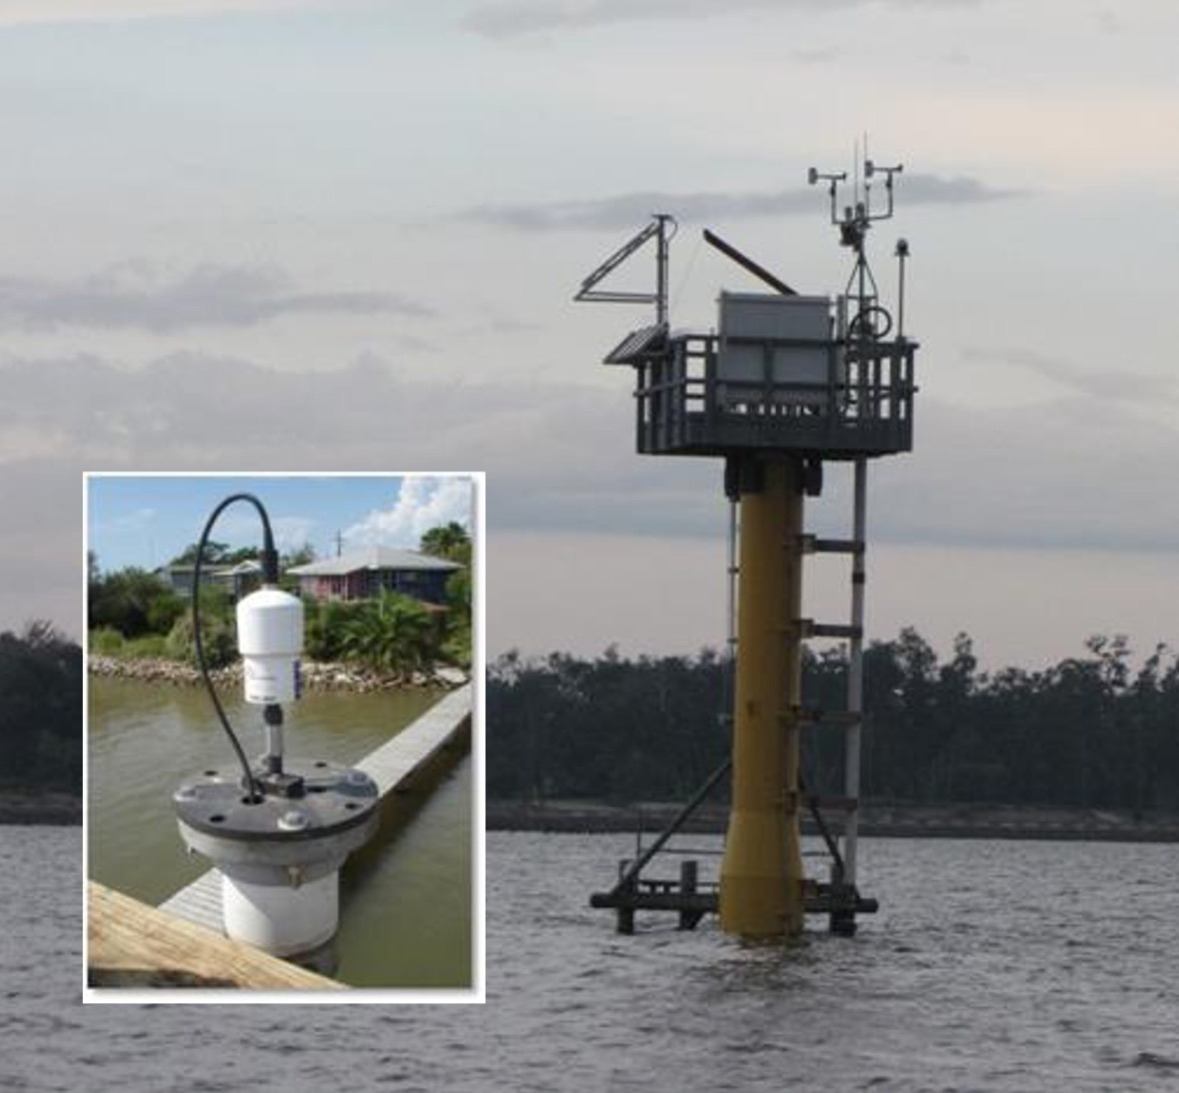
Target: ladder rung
812, 629
834, 804
839, 546
830, 719
813, 544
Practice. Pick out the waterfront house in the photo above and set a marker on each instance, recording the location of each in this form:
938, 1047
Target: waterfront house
362, 574
237, 580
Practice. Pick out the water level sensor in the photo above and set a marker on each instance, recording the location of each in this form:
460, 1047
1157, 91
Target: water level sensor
277, 829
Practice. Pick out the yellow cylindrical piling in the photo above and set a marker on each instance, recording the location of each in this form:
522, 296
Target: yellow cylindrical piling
761, 885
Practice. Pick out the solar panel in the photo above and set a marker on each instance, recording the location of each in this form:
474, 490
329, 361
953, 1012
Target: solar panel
639, 345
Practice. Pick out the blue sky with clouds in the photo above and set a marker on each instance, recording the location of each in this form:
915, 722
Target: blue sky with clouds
257, 235
146, 520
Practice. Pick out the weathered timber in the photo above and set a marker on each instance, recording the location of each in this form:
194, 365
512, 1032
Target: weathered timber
133, 945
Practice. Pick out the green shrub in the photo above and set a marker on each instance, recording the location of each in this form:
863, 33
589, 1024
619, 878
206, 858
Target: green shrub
392, 633
456, 649
125, 601
326, 627
163, 611
216, 605
106, 642
150, 645
219, 640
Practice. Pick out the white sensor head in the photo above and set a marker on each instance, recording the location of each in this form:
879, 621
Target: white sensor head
270, 640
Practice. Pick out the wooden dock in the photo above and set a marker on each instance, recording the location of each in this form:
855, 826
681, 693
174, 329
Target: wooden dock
133, 945
395, 766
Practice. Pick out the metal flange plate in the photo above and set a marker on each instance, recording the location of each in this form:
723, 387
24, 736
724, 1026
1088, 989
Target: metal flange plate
334, 799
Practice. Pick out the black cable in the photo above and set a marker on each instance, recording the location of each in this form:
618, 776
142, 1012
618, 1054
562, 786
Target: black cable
269, 576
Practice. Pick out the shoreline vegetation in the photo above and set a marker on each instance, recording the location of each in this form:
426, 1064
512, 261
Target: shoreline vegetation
316, 675
1083, 749
52, 808
878, 820
882, 819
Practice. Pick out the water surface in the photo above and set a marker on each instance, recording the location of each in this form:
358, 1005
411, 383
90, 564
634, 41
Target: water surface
991, 967
405, 905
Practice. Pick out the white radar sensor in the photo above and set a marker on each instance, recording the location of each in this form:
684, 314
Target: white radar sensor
270, 640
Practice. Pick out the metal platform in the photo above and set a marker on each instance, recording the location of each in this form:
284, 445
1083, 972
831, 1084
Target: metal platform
861, 407
691, 900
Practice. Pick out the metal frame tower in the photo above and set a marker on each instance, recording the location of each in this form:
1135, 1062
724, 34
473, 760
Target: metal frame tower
785, 383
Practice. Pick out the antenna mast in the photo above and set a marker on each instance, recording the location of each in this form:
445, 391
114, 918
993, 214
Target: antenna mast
871, 321
663, 228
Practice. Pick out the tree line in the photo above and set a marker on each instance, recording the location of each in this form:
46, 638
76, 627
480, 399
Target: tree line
133, 613
40, 710
1099, 730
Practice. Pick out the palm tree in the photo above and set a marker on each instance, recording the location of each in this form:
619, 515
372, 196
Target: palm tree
447, 541
393, 633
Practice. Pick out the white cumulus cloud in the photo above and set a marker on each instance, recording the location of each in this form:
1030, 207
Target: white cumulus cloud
423, 503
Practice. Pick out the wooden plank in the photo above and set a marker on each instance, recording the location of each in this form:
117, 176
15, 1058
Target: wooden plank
133, 945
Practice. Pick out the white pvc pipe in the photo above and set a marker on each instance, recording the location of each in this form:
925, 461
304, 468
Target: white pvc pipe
279, 919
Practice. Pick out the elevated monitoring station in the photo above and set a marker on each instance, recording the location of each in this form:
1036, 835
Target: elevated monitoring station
784, 383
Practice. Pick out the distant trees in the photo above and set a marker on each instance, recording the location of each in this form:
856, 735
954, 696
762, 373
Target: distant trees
617, 729
40, 710
215, 554
220, 554
1091, 731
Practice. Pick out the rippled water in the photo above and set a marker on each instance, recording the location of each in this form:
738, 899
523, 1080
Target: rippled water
992, 966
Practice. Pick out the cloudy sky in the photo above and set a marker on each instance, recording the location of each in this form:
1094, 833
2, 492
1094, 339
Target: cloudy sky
271, 235
147, 520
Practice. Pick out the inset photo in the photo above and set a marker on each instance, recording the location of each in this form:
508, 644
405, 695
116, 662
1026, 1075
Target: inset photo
284, 751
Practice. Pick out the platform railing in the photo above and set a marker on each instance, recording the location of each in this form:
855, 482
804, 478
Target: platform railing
863, 405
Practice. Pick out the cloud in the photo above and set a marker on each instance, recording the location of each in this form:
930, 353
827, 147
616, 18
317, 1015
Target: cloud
515, 17
33, 12
1074, 472
292, 532
422, 503
137, 295
138, 520
625, 210
1104, 384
